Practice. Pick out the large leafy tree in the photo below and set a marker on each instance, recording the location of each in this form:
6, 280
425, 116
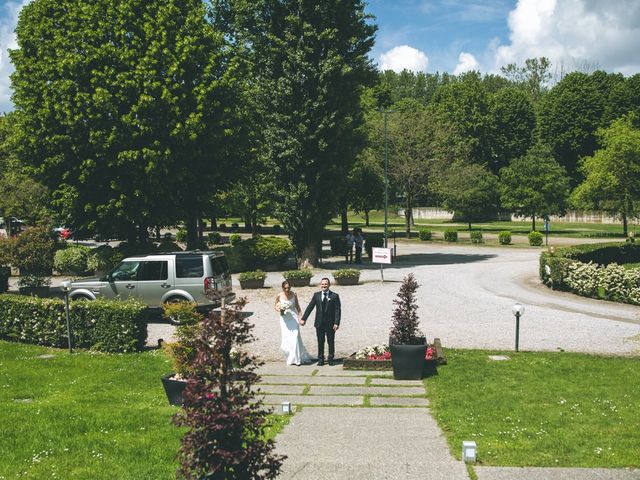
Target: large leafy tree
533, 77
534, 185
125, 109
612, 174
310, 65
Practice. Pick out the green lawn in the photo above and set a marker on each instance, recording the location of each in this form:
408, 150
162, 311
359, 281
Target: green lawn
540, 409
86, 415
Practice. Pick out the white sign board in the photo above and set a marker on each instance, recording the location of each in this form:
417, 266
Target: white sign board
381, 255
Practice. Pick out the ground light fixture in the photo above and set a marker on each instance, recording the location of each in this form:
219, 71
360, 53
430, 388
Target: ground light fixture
518, 311
286, 407
469, 451
66, 288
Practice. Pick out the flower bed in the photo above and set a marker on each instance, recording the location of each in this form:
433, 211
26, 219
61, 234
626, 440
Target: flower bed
378, 357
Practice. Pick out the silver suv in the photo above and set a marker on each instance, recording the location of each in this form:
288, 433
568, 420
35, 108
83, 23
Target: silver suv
162, 278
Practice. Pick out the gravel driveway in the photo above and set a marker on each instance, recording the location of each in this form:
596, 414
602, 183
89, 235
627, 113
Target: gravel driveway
465, 299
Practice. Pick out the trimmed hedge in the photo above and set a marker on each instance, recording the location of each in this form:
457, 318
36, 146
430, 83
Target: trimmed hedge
258, 253
373, 240
535, 239
104, 325
476, 237
72, 260
425, 234
451, 235
504, 237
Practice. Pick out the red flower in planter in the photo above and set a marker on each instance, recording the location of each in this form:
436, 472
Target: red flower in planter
429, 355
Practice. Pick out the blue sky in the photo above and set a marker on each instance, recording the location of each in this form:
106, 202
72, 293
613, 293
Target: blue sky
460, 35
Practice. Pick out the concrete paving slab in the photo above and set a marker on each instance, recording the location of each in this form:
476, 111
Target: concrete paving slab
366, 444
314, 400
315, 380
281, 368
292, 389
552, 473
395, 383
326, 390
399, 401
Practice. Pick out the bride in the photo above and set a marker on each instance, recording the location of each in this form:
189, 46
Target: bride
289, 309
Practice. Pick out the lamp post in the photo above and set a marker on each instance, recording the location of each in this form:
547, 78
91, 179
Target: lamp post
386, 180
66, 288
518, 311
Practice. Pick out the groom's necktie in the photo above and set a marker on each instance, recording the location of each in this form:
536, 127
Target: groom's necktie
324, 302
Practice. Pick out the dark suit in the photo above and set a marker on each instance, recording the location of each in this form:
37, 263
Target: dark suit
326, 318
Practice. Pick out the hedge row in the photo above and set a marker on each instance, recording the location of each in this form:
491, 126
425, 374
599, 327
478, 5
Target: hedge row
258, 253
593, 271
103, 325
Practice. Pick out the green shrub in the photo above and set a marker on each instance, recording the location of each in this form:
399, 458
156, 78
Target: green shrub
7, 246
33, 255
535, 239
476, 237
338, 245
182, 352
5, 273
214, 238
165, 247
104, 325
252, 275
266, 251
504, 238
235, 239
132, 249
373, 240
302, 273
181, 235
346, 272
451, 235
72, 260
425, 234
103, 259
236, 258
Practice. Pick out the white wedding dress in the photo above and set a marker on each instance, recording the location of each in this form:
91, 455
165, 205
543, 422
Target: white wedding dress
291, 344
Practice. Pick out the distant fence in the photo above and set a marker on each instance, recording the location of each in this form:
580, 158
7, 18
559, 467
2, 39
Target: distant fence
581, 216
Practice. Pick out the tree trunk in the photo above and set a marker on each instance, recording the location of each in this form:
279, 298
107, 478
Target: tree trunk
344, 221
413, 222
254, 224
407, 217
214, 223
366, 218
625, 226
192, 232
533, 218
469, 226
200, 229
309, 256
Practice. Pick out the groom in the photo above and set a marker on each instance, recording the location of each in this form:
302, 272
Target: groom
327, 304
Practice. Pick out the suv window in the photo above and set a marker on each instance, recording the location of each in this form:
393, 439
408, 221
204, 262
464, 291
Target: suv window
219, 265
125, 271
153, 270
189, 267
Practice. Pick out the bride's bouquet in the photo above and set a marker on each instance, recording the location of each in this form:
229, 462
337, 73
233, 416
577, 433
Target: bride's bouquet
284, 305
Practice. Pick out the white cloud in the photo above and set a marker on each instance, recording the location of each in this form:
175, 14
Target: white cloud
8, 21
569, 32
404, 57
466, 62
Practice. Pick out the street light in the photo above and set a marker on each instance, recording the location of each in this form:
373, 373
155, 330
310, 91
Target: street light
386, 181
518, 311
66, 288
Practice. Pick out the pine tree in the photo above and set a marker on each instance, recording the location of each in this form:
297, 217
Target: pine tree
405, 317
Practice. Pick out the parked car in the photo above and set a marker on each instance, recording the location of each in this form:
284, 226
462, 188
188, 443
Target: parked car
63, 232
157, 279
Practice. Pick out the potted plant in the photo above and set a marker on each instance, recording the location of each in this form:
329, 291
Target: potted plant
254, 279
181, 352
298, 278
347, 276
407, 343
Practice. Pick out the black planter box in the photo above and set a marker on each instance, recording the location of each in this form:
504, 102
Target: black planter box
173, 388
299, 282
252, 284
408, 361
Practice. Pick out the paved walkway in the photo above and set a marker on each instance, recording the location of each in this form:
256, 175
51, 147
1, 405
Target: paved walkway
363, 425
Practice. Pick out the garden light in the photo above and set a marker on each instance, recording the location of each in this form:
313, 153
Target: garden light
518, 311
469, 451
286, 407
66, 288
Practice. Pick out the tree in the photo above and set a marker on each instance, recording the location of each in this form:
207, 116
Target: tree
469, 190
568, 117
366, 185
533, 77
310, 64
534, 185
125, 109
612, 174
512, 122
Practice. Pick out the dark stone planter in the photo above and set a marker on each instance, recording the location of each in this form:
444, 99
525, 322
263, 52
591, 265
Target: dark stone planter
352, 363
299, 282
43, 292
348, 280
408, 361
173, 388
252, 284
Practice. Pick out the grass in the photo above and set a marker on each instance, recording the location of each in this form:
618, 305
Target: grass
87, 415
540, 409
